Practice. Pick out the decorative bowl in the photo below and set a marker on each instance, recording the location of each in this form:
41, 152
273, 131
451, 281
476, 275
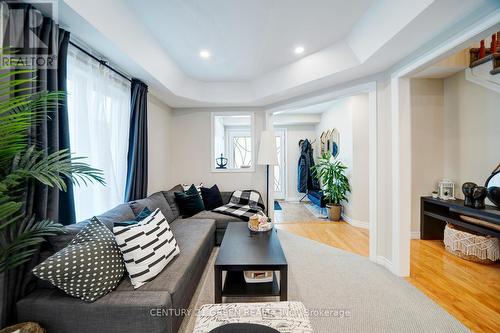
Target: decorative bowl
263, 227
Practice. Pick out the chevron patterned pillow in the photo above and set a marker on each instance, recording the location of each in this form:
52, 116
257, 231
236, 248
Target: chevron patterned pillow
147, 247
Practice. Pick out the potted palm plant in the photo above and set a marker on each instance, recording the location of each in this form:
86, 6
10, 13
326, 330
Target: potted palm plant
22, 162
334, 182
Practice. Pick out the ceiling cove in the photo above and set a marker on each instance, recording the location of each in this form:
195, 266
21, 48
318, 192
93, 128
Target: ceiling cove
249, 46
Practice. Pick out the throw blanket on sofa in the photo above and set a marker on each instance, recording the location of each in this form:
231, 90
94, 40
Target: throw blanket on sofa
243, 204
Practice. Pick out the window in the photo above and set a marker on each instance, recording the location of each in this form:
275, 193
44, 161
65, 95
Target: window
279, 170
242, 151
99, 120
232, 142
239, 148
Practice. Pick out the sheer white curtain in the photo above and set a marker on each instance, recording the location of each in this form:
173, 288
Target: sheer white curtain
99, 117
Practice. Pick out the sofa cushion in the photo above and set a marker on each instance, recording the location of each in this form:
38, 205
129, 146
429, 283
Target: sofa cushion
142, 215
89, 267
226, 196
145, 212
189, 203
180, 277
155, 200
147, 247
211, 197
117, 312
221, 220
170, 196
192, 187
120, 213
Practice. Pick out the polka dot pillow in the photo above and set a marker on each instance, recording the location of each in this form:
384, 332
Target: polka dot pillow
89, 267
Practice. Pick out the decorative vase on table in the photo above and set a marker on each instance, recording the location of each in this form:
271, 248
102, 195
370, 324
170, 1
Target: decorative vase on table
467, 189
221, 162
479, 194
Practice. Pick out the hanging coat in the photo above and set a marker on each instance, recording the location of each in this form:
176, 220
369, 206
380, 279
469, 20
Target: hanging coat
306, 181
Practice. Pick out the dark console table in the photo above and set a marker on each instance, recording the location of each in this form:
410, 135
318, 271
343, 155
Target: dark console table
435, 213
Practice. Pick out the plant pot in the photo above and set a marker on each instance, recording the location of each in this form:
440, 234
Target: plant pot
334, 212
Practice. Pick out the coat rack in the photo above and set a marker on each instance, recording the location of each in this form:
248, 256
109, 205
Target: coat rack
300, 146
301, 141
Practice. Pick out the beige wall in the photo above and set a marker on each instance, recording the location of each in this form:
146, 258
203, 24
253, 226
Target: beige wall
472, 131
427, 112
455, 135
159, 153
190, 139
350, 117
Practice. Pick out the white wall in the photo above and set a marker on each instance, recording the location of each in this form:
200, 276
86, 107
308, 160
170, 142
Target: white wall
190, 139
384, 167
159, 151
350, 117
294, 133
339, 116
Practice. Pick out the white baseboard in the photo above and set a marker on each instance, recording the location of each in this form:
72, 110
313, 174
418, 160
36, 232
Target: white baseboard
356, 223
384, 262
415, 235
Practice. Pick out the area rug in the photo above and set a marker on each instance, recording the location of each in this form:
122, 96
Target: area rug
277, 205
344, 292
317, 211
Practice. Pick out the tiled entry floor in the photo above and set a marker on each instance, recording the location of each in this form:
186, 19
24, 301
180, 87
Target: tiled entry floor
293, 212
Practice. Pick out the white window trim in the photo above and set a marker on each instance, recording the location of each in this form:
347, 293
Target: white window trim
212, 143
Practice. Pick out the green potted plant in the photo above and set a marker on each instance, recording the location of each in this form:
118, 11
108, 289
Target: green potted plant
334, 182
22, 163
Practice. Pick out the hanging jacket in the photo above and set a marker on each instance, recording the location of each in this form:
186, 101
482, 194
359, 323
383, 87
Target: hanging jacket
306, 181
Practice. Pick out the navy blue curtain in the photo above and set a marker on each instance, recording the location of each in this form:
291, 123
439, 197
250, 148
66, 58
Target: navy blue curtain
137, 171
51, 135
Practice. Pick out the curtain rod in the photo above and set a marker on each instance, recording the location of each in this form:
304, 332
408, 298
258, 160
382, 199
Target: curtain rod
102, 62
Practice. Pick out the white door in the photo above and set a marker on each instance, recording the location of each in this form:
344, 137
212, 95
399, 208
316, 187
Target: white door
279, 170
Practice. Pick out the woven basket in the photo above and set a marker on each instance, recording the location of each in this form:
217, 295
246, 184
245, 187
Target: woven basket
463, 244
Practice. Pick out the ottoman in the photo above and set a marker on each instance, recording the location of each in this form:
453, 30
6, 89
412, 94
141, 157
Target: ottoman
285, 317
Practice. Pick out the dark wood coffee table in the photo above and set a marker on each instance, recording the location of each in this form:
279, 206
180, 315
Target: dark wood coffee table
242, 250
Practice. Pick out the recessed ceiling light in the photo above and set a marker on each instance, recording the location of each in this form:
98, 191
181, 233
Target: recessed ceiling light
204, 54
299, 50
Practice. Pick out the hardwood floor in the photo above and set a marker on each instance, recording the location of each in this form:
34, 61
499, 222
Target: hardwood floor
469, 291
338, 234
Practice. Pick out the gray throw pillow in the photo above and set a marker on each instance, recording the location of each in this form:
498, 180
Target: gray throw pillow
89, 267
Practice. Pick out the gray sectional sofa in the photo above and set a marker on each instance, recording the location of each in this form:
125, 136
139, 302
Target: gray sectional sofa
155, 307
